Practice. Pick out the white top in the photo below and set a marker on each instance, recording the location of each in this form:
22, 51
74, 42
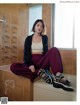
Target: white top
37, 47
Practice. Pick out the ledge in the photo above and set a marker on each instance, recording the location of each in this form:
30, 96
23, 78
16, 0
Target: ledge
46, 92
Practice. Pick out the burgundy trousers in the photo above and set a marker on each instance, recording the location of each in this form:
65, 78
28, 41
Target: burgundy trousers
51, 59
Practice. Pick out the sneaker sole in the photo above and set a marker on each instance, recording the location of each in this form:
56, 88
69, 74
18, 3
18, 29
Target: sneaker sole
64, 87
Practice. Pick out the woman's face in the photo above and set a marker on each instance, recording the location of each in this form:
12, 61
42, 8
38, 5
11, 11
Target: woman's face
38, 28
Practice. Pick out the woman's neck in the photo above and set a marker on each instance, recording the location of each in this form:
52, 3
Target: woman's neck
36, 34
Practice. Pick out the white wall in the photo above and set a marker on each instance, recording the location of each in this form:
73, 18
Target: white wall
35, 13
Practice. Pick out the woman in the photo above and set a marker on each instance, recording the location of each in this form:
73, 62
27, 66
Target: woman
38, 59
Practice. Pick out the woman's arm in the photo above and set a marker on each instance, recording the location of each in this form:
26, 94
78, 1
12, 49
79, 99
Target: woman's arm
45, 44
27, 55
27, 51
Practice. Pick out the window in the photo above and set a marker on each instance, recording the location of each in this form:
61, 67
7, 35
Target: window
35, 12
64, 26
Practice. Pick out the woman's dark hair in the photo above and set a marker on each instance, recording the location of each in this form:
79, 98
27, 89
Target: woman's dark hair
38, 20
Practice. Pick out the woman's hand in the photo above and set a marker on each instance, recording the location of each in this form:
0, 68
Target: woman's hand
32, 68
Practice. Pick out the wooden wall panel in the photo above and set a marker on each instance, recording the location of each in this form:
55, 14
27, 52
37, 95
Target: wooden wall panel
46, 16
69, 59
13, 32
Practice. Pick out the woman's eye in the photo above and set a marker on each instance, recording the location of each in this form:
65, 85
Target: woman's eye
39, 26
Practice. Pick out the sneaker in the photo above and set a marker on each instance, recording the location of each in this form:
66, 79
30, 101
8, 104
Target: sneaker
45, 76
64, 84
49, 73
60, 78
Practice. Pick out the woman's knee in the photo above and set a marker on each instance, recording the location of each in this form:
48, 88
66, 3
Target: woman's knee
54, 49
15, 66
12, 67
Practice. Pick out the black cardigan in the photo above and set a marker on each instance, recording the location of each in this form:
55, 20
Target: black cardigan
28, 50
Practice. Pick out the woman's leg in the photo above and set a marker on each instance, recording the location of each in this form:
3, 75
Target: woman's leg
23, 70
51, 59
